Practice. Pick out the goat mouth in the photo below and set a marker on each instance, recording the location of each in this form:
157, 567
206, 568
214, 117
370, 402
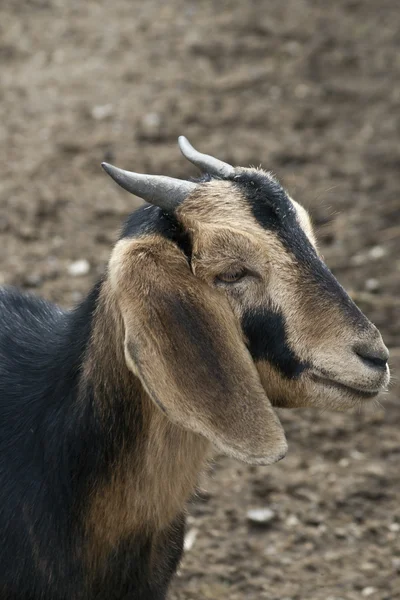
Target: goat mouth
326, 381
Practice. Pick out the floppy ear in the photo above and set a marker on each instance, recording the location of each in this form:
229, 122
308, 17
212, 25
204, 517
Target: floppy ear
184, 343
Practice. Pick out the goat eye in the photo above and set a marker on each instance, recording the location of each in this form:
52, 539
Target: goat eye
232, 276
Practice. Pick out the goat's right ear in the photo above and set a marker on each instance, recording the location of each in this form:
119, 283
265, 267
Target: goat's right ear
184, 343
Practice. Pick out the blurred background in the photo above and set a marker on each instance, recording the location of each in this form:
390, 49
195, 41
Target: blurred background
311, 90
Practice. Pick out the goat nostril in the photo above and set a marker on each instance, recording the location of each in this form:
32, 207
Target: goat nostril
373, 358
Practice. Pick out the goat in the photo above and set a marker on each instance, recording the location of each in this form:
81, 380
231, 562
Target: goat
216, 306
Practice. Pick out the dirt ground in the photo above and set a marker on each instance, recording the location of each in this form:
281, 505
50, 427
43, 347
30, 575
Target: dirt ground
308, 88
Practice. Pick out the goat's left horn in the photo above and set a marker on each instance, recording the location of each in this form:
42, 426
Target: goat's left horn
165, 192
204, 162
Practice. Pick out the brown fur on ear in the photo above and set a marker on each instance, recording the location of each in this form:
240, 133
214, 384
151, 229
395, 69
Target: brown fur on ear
184, 343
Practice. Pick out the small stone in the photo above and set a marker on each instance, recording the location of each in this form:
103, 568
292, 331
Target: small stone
368, 591
396, 563
344, 462
332, 555
368, 566
79, 268
292, 521
270, 550
394, 527
340, 533
27, 233
372, 284
301, 91
58, 241
260, 516
358, 259
33, 280
151, 120
294, 48
357, 455
377, 252
375, 469
103, 111
150, 126
190, 539
76, 296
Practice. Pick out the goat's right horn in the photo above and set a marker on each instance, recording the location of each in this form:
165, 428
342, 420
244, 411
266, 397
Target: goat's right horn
165, 192
205, 162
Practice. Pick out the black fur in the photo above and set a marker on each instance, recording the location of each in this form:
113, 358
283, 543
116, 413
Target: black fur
266, 334
54, 447
150, 219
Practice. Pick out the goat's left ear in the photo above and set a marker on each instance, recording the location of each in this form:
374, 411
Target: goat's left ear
184, 343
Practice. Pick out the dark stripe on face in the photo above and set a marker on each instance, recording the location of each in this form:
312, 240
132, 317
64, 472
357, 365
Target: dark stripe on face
268, 200
149, 219
274, 211
267, 340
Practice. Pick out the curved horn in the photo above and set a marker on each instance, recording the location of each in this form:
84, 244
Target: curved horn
204, 162
165, 192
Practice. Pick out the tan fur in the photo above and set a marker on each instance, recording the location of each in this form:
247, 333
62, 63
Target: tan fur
305, 222
148, 489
